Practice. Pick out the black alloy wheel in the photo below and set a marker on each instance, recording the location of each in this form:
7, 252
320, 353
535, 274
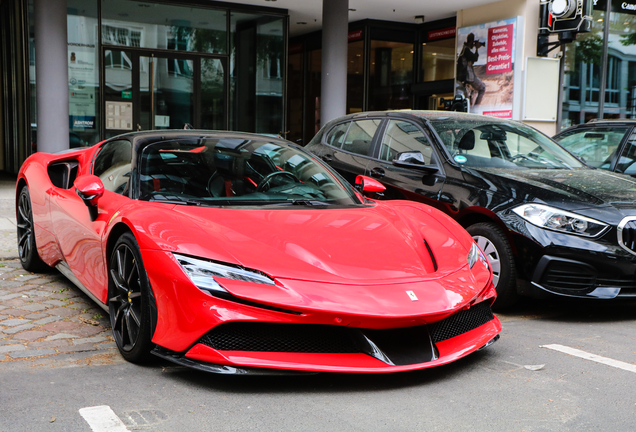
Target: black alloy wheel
492, 240
27, 249
128, 301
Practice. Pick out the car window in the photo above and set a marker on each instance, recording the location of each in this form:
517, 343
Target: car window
236, 171
597, 146
335, 137
359, 137
481, 142
402, 136
627, 162
113, 164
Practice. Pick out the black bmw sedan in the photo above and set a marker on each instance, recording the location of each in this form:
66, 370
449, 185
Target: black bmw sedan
547, 222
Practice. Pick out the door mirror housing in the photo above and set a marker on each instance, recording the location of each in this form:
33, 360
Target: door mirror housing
413, 160
367, 185
89, 188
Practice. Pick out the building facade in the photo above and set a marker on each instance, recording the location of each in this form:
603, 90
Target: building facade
126, 65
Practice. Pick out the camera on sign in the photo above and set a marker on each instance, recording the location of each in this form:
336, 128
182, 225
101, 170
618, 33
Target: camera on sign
458, 103
479, 44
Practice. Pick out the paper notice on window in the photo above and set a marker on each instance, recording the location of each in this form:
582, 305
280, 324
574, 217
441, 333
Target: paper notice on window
119, 115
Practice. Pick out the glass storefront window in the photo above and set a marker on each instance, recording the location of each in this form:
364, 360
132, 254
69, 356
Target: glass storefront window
438, 60
312, 111
355, 77
257, 73
583, 59
162, 26
295, 96
391, 75
83, 72
620, 93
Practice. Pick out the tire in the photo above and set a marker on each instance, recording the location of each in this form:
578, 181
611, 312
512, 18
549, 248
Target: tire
27, 248
128, 301
492, 240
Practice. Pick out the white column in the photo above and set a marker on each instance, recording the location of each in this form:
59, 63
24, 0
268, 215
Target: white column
335, 28
51, 75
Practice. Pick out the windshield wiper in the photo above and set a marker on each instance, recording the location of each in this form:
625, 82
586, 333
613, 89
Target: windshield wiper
161, 198
308, 203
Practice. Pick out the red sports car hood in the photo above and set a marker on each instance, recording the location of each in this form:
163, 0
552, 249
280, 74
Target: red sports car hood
370, 245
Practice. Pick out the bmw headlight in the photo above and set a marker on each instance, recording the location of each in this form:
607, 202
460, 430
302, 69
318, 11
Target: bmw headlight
204, 273
560, 220
475, 255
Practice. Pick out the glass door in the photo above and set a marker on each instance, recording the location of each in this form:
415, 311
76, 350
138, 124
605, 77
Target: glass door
166, 92
146, 91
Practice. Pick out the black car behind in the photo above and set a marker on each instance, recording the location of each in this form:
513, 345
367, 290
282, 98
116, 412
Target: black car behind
546, 221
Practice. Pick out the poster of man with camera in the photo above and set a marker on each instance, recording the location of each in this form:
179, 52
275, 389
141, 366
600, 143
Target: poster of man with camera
486, 66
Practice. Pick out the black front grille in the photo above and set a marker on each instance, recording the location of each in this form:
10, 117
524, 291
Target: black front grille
627, 236
314, 338
566, 275
461, 322
274, 337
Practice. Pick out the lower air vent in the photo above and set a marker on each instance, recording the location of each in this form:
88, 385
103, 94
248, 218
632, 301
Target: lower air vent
314, 338
461, 322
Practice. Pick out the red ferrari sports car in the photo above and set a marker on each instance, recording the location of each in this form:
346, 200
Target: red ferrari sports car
241, 253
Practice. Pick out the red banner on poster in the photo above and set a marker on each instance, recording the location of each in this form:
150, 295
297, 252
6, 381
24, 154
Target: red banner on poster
500, 40
498, 114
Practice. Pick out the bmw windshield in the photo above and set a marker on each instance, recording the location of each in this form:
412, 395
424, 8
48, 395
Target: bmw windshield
484, 143
237, 171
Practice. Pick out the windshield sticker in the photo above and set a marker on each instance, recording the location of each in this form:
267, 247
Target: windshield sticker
460, 159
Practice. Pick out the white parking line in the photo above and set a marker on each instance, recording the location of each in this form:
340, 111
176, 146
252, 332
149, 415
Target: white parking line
593, 357
102, 419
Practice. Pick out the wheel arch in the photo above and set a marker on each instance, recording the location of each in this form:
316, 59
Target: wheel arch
116, 232
479, 215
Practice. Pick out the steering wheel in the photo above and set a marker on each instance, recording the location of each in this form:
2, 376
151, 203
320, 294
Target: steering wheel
265, 182
213, 185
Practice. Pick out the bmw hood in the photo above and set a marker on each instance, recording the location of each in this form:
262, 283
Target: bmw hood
592, 192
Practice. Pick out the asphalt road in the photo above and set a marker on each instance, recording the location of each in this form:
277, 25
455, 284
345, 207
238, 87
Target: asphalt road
498, 389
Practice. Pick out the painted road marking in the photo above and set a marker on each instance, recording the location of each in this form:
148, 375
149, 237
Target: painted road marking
593, 357
102, 419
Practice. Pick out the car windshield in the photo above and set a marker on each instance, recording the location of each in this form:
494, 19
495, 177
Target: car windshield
485, 143
237, 171
596, 146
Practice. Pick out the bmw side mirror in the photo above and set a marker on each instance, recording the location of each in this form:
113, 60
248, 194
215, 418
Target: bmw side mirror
413, 160
90, 189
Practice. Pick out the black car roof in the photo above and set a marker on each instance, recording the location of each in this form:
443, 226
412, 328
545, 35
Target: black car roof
422, 114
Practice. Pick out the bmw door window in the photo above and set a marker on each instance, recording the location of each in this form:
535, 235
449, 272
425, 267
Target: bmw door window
360, 136
483, 143
407, 139
596, 146
337, 134
237, 171
627, 162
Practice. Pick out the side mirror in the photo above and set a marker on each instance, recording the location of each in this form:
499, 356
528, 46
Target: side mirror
90, 189
368, 185
413, 160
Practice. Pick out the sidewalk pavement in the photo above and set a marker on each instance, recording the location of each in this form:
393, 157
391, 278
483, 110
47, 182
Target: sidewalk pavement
44, 319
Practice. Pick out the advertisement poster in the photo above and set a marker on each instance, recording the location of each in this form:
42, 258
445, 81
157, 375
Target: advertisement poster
488, 67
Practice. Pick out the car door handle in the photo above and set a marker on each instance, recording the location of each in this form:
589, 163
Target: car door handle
377, 172
327, 158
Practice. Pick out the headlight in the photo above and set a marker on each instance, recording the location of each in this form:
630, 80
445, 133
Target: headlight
474, 255
204, 273
560, 220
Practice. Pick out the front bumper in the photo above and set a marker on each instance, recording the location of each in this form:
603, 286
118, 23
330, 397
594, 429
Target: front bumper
220, 335
573, 266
